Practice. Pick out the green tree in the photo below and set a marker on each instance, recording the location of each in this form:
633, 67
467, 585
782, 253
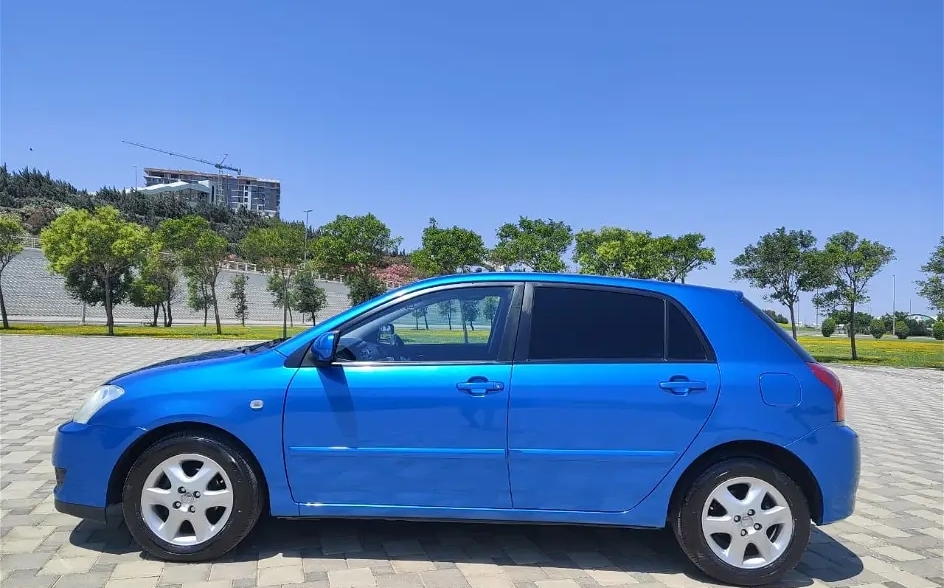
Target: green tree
421, 313
470, 312
932, 287
101, 243
363, 287
279, 249
353, 248
283, 297
11, 229
828, 327
784, 264
198, 296
147, 294
613, 251
490, 308
160, 270
200, 251
877, 328
309, 297
852, 262
446, 309
536, 243
446, 250
902, 330
684, 255
238, 295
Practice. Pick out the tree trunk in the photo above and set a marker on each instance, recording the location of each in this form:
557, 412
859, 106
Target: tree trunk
284, 306
109, 311
426, 321
169, 319
793, 324
206, 310
154, 312
3, 310
465, 331
416, 319
216, 308
284, 319
852, 329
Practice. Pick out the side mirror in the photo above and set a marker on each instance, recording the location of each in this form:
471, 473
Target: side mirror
325, 347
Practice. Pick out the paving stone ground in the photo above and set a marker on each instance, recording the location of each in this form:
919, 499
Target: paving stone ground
895, 538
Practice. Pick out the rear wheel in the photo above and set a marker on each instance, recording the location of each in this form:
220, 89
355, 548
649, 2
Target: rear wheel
743, 522
190, 497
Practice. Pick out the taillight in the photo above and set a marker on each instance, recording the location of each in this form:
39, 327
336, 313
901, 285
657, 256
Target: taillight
828, 377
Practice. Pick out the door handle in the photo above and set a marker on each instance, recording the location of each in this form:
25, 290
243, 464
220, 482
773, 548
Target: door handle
682, 386
480, 387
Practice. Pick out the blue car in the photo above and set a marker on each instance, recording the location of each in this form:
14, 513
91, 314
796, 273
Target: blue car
512, 397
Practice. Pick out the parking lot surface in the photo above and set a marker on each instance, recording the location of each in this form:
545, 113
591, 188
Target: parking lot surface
894, 539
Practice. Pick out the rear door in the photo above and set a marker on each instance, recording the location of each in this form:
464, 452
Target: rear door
610, 388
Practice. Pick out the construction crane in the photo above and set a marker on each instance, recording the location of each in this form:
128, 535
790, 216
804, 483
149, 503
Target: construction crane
219, 166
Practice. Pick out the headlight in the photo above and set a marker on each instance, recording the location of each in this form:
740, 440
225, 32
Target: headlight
96, 401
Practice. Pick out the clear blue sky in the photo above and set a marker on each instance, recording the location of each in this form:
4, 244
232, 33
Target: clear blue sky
729, 118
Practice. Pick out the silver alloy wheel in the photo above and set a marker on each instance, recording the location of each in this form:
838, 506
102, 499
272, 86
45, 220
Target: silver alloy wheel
747, 523
187, 499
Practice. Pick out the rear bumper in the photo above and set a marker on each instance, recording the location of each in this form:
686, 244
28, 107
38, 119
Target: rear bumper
832, 454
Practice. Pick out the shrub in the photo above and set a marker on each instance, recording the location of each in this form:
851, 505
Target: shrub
777, 317
877, 328
828, 327
938, 330
901, 329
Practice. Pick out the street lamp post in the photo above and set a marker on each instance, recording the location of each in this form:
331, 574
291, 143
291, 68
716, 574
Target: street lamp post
305, 252
305, 255
893, 304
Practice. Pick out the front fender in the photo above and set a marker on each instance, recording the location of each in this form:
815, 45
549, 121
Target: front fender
242, 396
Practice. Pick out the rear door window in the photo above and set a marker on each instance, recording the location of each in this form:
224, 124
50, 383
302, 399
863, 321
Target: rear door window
586, 324
685, 344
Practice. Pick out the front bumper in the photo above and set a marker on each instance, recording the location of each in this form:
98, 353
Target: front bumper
84, 457
832, 454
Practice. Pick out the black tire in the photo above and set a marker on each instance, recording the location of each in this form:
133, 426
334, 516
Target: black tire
687, 525
248, 499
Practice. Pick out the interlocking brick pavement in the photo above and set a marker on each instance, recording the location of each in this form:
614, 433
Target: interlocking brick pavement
895, 538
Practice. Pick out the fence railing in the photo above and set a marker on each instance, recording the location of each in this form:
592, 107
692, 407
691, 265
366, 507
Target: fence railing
242, 267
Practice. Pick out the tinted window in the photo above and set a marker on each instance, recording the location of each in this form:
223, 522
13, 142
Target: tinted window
460, 324
584, 324
779, 331
684, 343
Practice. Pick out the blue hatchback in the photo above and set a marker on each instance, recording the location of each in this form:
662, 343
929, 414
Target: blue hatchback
489, 397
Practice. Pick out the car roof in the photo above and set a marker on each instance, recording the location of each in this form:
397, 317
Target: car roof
565, 278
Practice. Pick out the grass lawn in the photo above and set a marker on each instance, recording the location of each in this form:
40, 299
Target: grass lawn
835, 349
885, 351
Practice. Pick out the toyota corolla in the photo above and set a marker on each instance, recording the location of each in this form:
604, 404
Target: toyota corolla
520, 397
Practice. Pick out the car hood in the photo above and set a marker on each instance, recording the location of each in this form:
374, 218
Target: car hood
215, 356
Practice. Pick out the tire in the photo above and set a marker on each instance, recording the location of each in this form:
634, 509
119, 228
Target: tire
221, 468
783, 534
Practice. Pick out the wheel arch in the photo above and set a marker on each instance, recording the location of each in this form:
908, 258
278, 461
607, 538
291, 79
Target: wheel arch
127, 459
775, 455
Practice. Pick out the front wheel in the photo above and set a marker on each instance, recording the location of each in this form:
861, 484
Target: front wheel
743, 522
190, 497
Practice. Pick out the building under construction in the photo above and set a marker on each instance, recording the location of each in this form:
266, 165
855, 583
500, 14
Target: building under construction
258, 195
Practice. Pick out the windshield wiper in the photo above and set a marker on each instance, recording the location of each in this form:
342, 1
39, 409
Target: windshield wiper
266, 344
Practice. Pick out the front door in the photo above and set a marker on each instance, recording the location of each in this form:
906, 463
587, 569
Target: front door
610, 388
414, 412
